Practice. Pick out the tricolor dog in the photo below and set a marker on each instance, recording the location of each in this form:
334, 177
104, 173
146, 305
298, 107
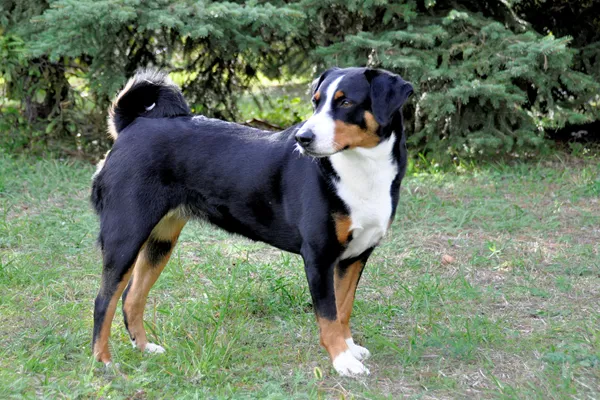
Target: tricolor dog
326, 189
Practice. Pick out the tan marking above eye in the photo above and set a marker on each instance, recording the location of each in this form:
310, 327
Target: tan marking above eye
317, 96
350, 136
338, 94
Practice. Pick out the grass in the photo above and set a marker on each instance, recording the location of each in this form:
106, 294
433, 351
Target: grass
487, 286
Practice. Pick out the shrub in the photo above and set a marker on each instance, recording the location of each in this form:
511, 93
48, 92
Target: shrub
482, 89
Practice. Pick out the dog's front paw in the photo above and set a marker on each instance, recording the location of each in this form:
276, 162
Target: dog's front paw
154, 348
359, 352
347, 365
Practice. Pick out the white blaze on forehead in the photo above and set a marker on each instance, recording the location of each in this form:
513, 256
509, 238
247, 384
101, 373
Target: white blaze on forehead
322, 123
331, 89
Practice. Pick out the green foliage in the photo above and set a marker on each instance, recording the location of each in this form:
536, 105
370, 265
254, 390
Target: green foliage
218, 46
487, 83
38, 106
17, 133
577, 19
277, 109
482, 89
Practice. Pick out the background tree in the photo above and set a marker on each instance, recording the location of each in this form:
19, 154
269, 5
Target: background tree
37, 82
488, 82
485, 86
579, 19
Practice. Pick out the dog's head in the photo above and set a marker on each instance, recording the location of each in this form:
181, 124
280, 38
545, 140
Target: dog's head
353, 106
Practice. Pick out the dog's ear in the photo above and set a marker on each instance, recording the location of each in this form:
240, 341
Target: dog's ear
388, 93
317, 82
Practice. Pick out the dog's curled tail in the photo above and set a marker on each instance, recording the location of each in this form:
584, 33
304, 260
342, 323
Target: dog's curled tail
150, 94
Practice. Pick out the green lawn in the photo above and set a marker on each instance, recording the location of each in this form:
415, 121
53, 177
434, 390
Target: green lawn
487, 286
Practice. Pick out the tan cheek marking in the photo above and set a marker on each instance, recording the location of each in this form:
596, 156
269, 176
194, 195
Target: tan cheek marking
372, 125
352, 136
342, 227
338, 94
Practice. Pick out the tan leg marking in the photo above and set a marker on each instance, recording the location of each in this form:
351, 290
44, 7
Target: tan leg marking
145, 274
332, 337
334, 333
101, 351
345, 288
352, 136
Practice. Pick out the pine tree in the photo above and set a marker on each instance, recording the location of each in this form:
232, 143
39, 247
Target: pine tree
26, 76
483, 89
487, 84
217, 46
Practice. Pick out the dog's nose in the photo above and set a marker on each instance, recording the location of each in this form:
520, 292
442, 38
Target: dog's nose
305, 137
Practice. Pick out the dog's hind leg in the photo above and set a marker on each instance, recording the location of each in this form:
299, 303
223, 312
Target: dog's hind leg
122, 235
115, 274
150, 262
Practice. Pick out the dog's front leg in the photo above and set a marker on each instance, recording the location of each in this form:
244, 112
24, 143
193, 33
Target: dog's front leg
331, 314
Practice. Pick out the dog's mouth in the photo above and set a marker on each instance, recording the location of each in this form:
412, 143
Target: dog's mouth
317, 155
311, 153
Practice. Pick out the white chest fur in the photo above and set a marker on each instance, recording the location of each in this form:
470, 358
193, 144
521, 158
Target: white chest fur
366, 177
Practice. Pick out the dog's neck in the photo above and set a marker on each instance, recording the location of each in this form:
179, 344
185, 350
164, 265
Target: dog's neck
366, 170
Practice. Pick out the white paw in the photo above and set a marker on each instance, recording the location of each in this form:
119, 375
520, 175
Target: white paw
359, 352
347, 365
154, 348
150, 348
111, 367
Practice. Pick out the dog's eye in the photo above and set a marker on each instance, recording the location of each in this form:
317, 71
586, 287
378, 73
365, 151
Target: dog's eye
346, 103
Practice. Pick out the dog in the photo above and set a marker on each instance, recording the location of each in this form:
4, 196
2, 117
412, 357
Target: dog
326, 189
